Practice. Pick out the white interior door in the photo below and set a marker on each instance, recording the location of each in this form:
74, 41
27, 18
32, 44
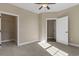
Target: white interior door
62, 30
0, 29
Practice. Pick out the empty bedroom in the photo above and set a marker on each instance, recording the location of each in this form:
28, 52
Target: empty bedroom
39, 29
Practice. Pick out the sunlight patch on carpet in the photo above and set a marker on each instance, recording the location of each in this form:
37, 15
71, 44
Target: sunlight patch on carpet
44, 44
54, 51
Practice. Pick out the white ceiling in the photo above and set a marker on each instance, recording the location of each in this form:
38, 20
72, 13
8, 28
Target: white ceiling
53, 8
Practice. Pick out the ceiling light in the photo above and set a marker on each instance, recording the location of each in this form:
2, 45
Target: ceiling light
44, 5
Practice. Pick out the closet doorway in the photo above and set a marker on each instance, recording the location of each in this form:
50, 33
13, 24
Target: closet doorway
51, 30
9, 30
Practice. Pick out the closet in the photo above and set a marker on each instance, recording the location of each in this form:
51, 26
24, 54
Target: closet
51, 30
8, 30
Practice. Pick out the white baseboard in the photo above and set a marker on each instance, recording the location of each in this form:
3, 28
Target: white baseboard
27, 42
5, 40
75, 45
50, 37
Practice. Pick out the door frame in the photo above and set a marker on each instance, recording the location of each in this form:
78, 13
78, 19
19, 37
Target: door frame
46, 25
13, 14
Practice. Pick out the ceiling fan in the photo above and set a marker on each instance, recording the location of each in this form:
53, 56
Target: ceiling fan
44, 5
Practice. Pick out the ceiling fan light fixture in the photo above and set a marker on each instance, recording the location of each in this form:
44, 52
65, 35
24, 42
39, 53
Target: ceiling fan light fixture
45, 5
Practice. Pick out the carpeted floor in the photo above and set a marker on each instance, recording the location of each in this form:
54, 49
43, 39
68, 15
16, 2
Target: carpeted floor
34, 49
72, 51
10, 49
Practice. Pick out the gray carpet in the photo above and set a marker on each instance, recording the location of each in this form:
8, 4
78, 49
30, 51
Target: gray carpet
72, 51
34, 49
51, 40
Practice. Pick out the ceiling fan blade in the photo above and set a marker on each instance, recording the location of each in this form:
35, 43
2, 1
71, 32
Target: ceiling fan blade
45, 3
48, 7
40, 7
51, 3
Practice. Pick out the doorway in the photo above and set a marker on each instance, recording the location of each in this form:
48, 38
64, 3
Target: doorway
57, 30
9, 29
51, 30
